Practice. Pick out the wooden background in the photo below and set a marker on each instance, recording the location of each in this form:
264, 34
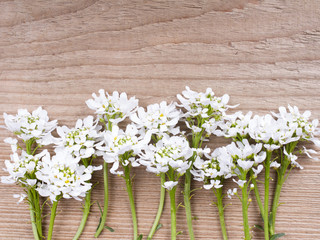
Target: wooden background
263, 53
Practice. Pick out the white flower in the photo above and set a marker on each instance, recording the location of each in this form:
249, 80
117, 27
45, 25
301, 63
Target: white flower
114, 108
245, 165
213, 183
159, 118
239, 182
169, 152
231, 192
275, 165
170, 185
245, 151
21, 197
117, 142
203, 104
27, 126
308, 152
213, 168
22, 168
80, 140
235, 125
62, 176
299, 125
258, 170
292, 158
193, 128
13, 142
259, 158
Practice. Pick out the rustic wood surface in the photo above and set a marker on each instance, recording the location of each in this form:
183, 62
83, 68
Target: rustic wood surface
264, 54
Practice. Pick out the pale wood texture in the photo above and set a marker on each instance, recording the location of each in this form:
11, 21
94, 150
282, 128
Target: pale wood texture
263, 53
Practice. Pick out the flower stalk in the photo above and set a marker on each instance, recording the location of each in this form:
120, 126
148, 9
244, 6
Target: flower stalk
257, 194
160, 208
266, 196
52, 217
36, 229
131, 199
86, 211
173, 210
187, 204
219, 195
103, 217
245, 205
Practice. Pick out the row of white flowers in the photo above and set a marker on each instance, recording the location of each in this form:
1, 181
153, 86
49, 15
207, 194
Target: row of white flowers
154, 139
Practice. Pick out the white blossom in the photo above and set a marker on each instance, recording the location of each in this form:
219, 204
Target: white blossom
22, 168
61, 176
235, 125
231, 192
115, 143
170, 185
33, 125
258, 170
213, 183
240, 182
292, 158
213, 168
114, 108
171, 152
13, 143
159, 118
21, 197
206, 106
275, 165
80, 140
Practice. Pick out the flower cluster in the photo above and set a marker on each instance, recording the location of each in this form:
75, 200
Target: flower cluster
114, 108
35, 125
60, 176
121, 147
159, 118
170, 152
213, 168
80, 140
152, 138
22, 168
204, 111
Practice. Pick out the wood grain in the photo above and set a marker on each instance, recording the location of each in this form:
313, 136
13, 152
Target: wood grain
263, 53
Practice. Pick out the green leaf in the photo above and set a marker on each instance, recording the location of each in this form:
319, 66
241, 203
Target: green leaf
140, 237
99, 208
276, 236
109, 228
98, 224
259, 227
178, 233
158, 227
270, 220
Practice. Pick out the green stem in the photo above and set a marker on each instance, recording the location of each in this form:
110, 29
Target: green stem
266, 196
131, 199
160, 208
173, 211
256, 193
38, 212
86, 211
52, 218
34, 199
275, 204
36, 234
246, 227
218, 193
187, 203
106, 200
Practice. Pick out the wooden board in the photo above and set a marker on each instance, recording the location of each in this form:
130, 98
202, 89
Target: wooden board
263, 53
